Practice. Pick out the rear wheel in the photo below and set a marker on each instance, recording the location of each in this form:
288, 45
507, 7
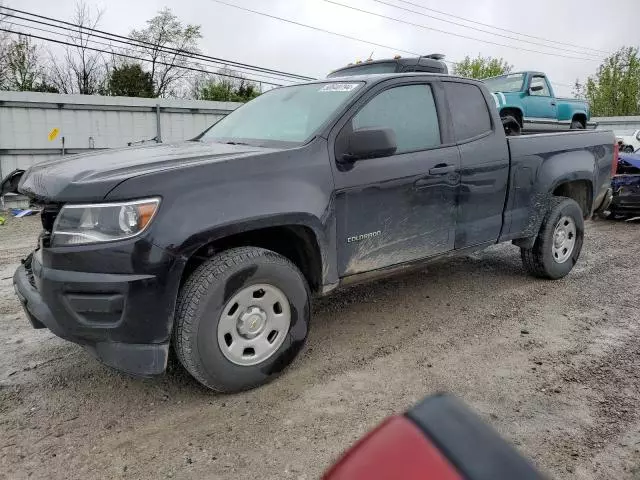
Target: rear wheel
559, 243
577, 125
241, 318
511, 125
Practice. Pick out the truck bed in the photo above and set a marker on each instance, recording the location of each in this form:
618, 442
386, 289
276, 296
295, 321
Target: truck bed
537, 165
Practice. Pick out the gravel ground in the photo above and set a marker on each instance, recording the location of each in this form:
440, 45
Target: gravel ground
553, 366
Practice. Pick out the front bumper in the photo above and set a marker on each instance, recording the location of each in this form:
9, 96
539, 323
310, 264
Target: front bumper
125, 320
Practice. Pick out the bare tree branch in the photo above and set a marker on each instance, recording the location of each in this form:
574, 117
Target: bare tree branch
82, 70
165, 31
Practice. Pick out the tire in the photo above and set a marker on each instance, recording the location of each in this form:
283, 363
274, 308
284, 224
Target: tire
576, 125
540, 261
511, 125
203, 313
628, 149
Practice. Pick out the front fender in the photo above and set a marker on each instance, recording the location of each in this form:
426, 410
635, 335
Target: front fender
206, 203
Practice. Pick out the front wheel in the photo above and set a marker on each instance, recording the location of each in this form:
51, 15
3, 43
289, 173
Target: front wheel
577, 125
628, 149
559, 243
241, 318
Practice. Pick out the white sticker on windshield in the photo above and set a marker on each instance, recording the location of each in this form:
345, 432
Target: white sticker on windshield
339, 87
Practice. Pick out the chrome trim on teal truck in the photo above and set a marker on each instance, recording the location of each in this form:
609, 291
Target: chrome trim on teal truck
527, 100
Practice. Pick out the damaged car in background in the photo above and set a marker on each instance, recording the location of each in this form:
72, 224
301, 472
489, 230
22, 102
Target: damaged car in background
625, 186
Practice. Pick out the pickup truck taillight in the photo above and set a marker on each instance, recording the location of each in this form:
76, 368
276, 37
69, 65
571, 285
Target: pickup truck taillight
614, 163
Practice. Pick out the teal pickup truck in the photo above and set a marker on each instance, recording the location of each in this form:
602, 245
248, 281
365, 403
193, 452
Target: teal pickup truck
526, 103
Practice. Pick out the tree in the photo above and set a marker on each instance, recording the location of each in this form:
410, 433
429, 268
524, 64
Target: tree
166, 43
4, 46
615, 88
578, 90
222, 88
130, 80
24, 71
481, 67
82, 70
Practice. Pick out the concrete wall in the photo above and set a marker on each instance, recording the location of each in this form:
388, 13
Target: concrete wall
617, 123
93, 122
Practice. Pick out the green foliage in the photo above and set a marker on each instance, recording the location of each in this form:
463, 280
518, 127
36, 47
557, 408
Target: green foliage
615, 88
24, 71
130, 80
481, 67
224, 89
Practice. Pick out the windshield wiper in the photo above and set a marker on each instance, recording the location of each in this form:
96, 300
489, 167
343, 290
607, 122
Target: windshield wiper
236, 143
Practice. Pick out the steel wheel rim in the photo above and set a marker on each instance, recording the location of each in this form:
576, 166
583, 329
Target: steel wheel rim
564, 239
254, 324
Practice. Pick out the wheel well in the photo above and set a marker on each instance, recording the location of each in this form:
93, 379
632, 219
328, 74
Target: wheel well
580, 117
295, 242
513, 112
578, 190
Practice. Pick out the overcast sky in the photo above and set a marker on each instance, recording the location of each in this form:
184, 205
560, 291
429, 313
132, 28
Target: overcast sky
250, 38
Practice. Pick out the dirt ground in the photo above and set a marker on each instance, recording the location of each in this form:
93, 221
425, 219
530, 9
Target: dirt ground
553, 366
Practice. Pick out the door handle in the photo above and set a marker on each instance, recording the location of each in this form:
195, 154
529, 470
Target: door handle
553, 104
442, 169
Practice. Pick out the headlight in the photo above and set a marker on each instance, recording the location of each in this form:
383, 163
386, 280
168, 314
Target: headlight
102, 222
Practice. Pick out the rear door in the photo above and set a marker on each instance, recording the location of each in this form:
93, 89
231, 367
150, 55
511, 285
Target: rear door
540, 108
399, 208
484, 168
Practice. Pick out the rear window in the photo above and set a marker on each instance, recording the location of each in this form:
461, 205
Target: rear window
365, 69
468, 109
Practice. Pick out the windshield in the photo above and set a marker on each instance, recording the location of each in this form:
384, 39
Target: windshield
288, 115
366, 69
505, 83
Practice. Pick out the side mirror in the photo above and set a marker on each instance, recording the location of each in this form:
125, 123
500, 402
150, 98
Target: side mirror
367, 143
537, 88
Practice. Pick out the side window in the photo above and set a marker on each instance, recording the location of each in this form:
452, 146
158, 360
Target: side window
409, 110
540, 82
468, 109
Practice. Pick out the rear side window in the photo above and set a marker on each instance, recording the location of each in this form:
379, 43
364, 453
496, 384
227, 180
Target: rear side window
540, 82
468, 109
409, 110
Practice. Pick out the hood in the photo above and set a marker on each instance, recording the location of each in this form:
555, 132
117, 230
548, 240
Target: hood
631, 159
90, 177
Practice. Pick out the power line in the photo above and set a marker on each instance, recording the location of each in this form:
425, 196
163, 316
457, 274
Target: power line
451, 33
128, 41
184, 67
478, 29
93, 41
500, 28
318, 29
172, 50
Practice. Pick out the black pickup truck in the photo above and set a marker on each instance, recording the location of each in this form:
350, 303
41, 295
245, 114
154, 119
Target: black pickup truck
216, 246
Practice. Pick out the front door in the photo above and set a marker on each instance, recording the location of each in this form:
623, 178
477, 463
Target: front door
402, 207
540, 107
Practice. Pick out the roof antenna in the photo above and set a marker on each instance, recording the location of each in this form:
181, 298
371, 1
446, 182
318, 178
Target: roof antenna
370, 59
